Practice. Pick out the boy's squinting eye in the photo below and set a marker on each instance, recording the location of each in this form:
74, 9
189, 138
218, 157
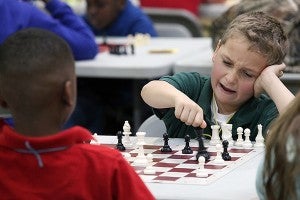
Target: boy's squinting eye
247, 74
227, 63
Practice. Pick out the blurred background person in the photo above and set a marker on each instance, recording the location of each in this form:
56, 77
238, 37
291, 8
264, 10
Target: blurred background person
104, 104
59, 18
117, 18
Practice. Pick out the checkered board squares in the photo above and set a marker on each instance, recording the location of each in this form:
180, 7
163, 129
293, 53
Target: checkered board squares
175, 167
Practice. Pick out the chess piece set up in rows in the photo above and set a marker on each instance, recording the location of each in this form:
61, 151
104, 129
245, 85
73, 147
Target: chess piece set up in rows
221, 145
240, 142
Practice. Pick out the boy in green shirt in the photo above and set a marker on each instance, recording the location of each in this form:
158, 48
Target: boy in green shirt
246, 63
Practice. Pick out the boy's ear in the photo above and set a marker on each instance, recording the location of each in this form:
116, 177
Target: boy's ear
68, 93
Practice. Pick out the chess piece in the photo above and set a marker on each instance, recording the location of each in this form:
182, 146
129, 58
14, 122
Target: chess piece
218, 159
227, 133
215, 138
149, 168
120, 145
141, 138
132, 49
166, 147
201, 171
239, 142
187, 149
224, 131
201, 149
247, 142
225, 154
140, 159
259, 140
126, 133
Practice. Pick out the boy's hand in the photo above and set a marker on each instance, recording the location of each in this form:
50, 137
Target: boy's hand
273, 71
189, 112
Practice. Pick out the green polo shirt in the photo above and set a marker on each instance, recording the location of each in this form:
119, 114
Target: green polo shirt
255, 111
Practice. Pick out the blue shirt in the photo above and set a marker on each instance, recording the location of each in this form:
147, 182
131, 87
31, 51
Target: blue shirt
131, 20
16, 15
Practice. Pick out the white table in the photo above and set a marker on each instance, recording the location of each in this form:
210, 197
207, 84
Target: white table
236, 185
143, 65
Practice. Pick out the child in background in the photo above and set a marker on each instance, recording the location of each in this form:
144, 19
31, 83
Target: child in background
117, 18
278, 176
247, 61
60, 19
103, 109
38, 159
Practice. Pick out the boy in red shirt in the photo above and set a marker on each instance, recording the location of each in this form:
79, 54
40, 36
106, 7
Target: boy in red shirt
38, 160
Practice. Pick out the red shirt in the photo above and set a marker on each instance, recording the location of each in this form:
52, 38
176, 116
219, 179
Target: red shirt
64, 166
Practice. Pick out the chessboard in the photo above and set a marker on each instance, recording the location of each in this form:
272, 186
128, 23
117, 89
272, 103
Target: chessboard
175, 167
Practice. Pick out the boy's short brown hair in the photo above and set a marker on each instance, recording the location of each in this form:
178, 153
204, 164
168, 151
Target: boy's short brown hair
265, 34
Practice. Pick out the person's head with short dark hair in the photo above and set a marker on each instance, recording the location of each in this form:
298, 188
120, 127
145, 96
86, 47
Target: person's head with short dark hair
102, 13
37, 81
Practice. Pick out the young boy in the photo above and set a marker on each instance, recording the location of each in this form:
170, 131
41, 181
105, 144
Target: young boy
38, 160
246, 62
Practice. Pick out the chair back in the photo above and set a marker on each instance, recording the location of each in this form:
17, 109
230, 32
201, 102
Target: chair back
174, 22
153, 126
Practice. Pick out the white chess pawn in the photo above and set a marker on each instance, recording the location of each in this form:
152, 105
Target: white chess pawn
141, 138
239, 142
215, 138
218, 159
229, 135
149, 169
126, 132
259, 140
140, 159
201, 171
247, 142
224, 131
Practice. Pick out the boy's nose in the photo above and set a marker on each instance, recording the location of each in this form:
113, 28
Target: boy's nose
231, 76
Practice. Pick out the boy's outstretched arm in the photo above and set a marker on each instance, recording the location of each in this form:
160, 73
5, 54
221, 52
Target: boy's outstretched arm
269, 82
160, 94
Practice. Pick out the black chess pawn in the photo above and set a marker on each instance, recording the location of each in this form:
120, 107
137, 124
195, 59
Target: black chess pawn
187, 149
120, 145
166, 147
201, 149
132, 49
225, 154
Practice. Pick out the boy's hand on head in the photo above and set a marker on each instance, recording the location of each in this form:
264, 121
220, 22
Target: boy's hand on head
189, 112
272, 71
